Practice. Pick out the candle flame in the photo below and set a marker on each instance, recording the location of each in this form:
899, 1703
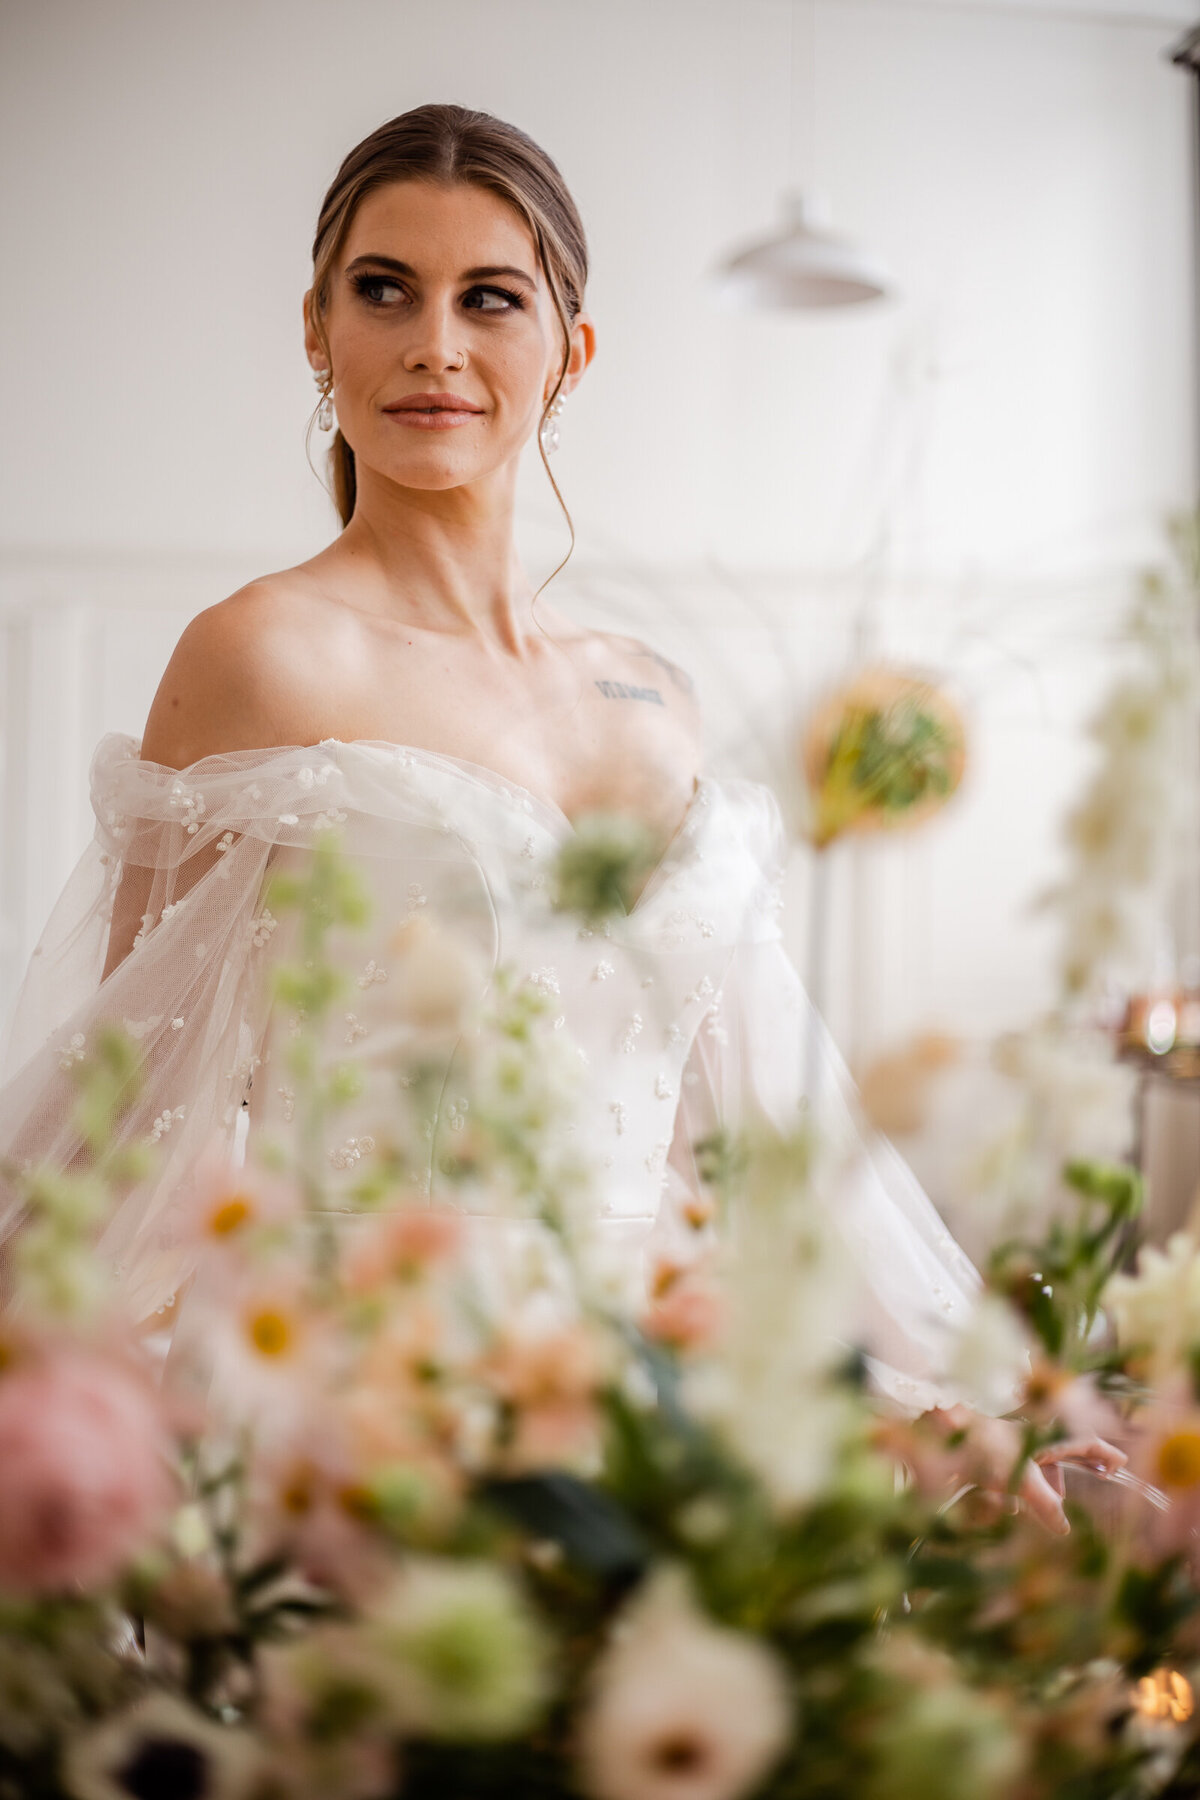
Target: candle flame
1166, 1694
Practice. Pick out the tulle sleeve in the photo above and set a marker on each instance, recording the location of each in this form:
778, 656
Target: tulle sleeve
763, 1052
173, 878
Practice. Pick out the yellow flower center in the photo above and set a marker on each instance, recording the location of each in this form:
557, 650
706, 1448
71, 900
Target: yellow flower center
1179, 1460
229, 1216
357, 1501
296, 1497
271, 1332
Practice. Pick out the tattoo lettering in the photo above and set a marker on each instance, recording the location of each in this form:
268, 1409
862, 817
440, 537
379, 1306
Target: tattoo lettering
621, 690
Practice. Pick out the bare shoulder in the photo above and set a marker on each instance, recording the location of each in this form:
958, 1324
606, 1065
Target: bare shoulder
244, 675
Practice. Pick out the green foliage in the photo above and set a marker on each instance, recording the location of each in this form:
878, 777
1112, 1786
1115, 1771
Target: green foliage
602, 865
1059, 1282
884, 759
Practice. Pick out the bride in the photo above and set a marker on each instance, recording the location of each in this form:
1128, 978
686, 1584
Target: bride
403, 686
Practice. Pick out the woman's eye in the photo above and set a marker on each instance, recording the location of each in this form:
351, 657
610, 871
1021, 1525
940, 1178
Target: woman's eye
506, 294
369, 284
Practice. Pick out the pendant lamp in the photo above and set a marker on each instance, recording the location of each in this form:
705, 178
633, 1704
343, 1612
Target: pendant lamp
804, 265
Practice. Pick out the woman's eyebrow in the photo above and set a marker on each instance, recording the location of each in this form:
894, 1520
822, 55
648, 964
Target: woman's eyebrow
403, 268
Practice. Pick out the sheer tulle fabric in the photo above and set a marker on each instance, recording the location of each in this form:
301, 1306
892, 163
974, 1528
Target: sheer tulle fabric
686, 1013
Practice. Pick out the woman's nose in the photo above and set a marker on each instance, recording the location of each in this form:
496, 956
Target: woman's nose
434, 341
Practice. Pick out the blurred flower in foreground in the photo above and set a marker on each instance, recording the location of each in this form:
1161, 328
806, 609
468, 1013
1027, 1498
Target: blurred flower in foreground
548, 1381
885, 750
943, 1737
1127, 833
990, 1360
86, 1483
403, 1246
471, 1653
1158, 1306
162, 1746
601, 867
438, 977
447, 1650
1165, 1452
686, 1307
788, 1296
680, 1708
268, 1343
227, 1204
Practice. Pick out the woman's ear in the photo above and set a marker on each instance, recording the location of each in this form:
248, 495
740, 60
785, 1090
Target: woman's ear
312, 343
583, 348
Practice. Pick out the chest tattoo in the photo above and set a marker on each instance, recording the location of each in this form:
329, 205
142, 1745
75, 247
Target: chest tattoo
621, 690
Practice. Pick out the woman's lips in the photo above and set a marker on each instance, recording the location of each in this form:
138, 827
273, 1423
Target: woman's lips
432, 421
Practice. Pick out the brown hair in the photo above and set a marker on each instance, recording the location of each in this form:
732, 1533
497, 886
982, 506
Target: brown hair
452, 144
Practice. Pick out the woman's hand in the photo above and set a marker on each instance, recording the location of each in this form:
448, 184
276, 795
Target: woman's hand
1095, 1453
991, 1447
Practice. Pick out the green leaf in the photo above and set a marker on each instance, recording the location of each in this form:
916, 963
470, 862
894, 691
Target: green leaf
593, 1531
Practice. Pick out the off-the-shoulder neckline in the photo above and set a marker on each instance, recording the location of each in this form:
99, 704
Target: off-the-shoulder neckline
481, 772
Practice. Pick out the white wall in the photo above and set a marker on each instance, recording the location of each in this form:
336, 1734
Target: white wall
969, 472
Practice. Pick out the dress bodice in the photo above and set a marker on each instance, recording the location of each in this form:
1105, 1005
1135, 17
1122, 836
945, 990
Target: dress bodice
629, 996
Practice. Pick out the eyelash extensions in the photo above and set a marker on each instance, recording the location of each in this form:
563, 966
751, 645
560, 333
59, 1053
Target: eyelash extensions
365, 280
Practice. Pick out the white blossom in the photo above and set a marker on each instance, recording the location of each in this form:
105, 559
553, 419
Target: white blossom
1159, 1304
990, 1361
680, 1708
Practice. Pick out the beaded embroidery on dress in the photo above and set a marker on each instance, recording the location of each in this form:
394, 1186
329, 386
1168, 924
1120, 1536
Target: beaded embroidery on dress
685, 1012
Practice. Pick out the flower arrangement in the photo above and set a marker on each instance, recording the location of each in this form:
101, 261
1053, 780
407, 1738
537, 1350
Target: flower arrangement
883, 751
404, 1520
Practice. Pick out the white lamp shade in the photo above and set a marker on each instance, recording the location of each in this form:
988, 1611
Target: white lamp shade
800, 267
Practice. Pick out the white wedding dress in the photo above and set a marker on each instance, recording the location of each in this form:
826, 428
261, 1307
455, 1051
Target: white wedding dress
686, 1012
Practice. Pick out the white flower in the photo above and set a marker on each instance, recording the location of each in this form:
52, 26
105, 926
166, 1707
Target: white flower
267, 1352
793, 1440
438, 977
1124, 833
792, 1301
1159, 1305
465, 1656
1084, 1096
680, 1708
1064, 1097
160, 1745
990, 1357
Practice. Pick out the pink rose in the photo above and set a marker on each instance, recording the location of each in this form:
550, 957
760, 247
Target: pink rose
84, 1479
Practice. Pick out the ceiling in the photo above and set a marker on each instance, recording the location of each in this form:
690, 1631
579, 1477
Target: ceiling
1148, 12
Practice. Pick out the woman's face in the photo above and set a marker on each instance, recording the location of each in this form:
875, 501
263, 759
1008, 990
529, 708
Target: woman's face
438, 290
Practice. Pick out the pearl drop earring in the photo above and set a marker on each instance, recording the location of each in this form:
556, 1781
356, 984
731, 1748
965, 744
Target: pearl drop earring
325, 410
549, 429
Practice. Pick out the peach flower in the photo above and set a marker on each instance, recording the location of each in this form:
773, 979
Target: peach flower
229, 1210
86, 1484
404, 1409
547, 1377
1165, 1455
686, 1308
307, 1500
403, 1246
270, 1348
